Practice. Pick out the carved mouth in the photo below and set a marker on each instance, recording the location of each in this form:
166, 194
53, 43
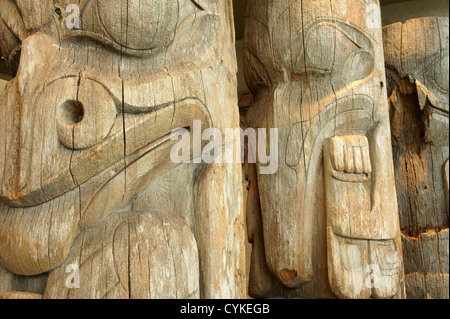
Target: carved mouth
46, 187
143, 133
35, 240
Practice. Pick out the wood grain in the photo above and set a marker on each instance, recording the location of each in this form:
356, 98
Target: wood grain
417, 67
329, 216
86, 179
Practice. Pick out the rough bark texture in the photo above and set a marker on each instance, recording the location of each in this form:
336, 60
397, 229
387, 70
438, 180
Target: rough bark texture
417, 62
86, 177
326, 224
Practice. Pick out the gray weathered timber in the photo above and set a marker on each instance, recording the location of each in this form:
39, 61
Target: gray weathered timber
326, 224
86, 177
417, 63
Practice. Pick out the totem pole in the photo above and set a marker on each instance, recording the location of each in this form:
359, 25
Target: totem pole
417, 58
326, 223
91, 204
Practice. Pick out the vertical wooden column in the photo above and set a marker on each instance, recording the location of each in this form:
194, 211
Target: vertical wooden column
326, 223
417, 59
87, 182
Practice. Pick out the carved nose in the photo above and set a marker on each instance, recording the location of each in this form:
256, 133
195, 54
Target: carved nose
291, 269
286, 227
87, 119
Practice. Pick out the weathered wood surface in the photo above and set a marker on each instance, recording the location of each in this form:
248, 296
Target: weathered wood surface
326, 224
417, 63
86, 179
18, 295
2, 85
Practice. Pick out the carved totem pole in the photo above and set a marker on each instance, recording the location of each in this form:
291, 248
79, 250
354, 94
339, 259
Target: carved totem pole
417, 63
86, 177
326, 224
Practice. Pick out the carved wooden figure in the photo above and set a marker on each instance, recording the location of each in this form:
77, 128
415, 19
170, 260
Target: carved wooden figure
326, 224
86, 177
417, 63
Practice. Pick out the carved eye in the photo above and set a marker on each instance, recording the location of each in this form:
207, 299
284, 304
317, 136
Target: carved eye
339, 48
139, 25
357, 66
321, 47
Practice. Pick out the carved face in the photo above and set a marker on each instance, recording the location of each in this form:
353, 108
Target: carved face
316, 69
89, 112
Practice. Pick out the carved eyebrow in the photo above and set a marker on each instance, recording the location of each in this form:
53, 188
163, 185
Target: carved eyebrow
198, 5
84, 6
